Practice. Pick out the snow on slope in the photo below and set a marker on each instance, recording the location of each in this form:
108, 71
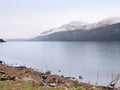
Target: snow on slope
77, 25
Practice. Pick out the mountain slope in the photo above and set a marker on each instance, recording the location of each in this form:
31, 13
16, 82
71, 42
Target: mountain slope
77, 25
106, 33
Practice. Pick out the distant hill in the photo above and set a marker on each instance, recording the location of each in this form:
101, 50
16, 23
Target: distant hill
1, 40
107, 30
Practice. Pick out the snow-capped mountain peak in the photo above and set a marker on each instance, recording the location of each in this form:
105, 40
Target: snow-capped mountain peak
74, 25
77, 25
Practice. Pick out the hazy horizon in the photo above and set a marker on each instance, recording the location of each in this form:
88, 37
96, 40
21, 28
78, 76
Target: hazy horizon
27, 18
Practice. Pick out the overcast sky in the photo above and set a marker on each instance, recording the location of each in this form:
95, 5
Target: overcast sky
27, 18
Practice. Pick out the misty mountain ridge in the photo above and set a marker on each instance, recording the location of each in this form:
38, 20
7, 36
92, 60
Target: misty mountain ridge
106, 30
76, 25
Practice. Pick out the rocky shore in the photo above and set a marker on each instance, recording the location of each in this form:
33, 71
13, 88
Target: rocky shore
8, 72
42, 79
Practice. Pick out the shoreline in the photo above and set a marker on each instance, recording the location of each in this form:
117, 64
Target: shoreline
44, 79
24, 73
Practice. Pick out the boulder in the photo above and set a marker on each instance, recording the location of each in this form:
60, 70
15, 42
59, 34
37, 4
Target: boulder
1, 62
21, 67
53, 85
7, 77
2, 72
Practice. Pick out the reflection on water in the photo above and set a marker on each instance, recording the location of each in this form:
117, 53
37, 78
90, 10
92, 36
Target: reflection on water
72, 58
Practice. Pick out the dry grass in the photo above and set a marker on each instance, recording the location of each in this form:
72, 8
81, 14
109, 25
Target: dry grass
23, 85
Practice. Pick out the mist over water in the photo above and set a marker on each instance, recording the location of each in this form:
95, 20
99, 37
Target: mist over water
87, 59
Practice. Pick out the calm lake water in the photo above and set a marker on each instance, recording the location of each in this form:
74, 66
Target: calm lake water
91, 60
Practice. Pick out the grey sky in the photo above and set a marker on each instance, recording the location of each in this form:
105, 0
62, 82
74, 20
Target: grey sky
27, 18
